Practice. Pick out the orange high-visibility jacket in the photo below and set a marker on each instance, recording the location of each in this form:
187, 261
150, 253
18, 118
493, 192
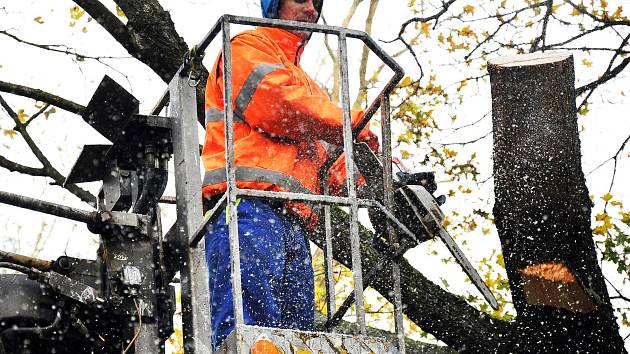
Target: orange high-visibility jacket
282, 118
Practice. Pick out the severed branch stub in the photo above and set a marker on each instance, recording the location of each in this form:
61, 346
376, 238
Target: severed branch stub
542, 207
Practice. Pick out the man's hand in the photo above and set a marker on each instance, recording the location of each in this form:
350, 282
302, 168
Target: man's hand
366, 136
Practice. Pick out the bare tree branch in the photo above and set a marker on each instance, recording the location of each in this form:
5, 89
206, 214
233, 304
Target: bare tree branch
579, 35
608, 74
543, 35
109, 22
403, 28
362, 94
334, 94
58, 48
490, 37
619, 294
333, 56
153, 32
436, 16
351, 12
469, 141
582, 9
42, 96
616, 161
49, 170
37, 114
16, 167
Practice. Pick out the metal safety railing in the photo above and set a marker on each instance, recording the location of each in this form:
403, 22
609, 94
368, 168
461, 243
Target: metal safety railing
191, 226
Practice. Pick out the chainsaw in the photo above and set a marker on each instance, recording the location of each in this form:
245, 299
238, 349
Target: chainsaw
419, 216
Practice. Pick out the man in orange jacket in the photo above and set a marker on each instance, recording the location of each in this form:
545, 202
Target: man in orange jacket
283, 122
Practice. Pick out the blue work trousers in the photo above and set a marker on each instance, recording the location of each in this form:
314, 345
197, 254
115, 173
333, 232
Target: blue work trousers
276, 271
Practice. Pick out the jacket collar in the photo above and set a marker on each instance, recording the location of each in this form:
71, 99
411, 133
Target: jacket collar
291, 45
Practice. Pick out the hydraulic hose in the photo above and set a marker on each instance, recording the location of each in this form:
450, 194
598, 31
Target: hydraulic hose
20, 268
30, 262
30, 330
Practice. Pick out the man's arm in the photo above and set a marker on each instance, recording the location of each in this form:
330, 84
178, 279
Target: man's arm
272, 99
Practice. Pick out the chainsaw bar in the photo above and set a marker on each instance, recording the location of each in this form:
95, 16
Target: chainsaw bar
430, 215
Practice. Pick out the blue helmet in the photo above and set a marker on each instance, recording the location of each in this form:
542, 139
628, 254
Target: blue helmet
270, 7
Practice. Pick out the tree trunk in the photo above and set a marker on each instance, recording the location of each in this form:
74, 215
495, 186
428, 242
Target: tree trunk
543, 210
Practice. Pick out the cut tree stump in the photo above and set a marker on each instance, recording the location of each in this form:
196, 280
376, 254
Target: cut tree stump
542, 209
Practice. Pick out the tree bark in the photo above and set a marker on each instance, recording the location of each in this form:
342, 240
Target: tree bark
542, 210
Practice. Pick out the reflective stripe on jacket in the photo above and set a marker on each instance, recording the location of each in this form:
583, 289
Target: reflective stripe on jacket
280, 116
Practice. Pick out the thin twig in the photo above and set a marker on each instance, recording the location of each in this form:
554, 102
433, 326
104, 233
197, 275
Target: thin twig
403, 28
37, 114
610, 72
543, 34
56, 48
16, 167
109, 22
620, 295
467, 142
47, 167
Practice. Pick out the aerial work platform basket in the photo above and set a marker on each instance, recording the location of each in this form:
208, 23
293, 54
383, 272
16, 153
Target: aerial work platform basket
194, 288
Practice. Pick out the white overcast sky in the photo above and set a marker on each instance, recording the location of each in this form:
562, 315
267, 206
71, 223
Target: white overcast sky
64, 134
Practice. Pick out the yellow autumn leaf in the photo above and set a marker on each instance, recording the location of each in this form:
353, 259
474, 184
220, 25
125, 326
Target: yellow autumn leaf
466, 31
446, 222
425, 29
602, 217
449, 152
501, 260
119, 11
21, 115
38, 19
485, 231
441, 38
406, 81
84, 29
617, 203
577, 11
462, 84
607, 197
76, 12
469, 9
587, 63
49, 112
9, 132
603, 3
72, 23
602, 229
